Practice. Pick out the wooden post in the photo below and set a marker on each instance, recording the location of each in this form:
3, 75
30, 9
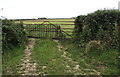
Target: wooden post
28, 26
57, 32
60, 31
45, 26
37, 28
50, 30
41, 32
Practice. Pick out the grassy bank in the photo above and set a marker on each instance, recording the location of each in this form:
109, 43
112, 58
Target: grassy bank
11, 60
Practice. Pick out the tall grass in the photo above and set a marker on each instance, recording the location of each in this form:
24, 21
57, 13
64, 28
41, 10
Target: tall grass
11, 60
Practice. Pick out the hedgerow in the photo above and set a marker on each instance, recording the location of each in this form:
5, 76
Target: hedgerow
100, 25
13, 35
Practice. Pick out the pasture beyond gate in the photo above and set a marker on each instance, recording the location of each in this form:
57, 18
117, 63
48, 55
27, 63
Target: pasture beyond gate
46, 29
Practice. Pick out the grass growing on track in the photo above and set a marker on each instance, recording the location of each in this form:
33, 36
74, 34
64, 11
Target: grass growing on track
106, 63
11, 60
46, 53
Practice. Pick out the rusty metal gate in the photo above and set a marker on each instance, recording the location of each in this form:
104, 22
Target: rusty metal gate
43, 30
47, 30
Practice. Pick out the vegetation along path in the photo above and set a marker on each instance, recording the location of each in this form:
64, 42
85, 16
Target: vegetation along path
49, 57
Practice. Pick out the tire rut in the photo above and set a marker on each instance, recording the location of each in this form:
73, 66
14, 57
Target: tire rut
76, 69
28, 67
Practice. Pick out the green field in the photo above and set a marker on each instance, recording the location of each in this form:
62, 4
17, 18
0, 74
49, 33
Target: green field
49, 20
57, 22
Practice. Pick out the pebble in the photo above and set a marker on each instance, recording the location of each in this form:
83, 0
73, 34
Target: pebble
68, 66
44, 67
76, 67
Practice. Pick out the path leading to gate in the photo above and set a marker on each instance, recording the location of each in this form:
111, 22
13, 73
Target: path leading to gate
29, 66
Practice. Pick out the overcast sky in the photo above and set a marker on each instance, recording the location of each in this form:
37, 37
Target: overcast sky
14, 9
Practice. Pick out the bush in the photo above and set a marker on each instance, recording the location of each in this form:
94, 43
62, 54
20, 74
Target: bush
99, 25
13, 35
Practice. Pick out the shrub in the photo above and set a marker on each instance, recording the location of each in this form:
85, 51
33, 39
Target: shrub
12, 35
99, 25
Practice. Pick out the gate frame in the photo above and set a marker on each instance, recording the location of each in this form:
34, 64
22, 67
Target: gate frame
56, 30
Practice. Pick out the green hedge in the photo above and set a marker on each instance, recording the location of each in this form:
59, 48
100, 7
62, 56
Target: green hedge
13, 35
99, 25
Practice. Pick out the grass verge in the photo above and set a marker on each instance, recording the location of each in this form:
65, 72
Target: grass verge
11, 60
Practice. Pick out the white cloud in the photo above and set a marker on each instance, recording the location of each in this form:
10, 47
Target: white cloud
52, 8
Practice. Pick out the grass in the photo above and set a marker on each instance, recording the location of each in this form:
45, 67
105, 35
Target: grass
110, 59
42, 54
11, 60
106, 63
57, 22
45, 53
50, 20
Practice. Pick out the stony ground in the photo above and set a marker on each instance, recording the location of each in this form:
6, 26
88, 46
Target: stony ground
28, 67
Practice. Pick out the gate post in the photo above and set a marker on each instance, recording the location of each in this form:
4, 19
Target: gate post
57, 28
58, 32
